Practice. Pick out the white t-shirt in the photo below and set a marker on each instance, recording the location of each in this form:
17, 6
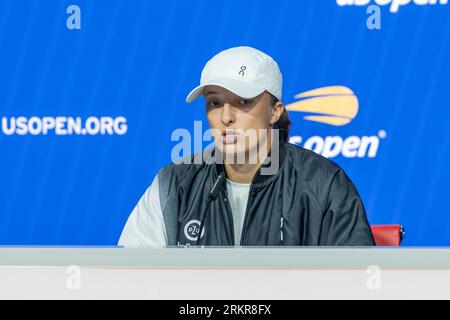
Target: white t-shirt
238, 197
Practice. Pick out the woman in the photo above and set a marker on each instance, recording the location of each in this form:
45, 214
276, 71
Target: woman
276, 193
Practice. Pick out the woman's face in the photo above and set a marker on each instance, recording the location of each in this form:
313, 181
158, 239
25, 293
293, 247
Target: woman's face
239, 125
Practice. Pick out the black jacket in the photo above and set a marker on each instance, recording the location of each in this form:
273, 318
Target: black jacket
309, 201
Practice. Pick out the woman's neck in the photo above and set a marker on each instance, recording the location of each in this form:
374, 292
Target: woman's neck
241, 173
244, 173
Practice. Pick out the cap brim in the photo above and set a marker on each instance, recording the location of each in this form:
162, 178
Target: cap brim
243, 89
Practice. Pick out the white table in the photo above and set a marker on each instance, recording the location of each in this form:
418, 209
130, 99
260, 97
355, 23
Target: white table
224, 273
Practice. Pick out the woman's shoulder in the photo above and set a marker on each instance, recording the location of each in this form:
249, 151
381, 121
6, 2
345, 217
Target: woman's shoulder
186, 167
309, 163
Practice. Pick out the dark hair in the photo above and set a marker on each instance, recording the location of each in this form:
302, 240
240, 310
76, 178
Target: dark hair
284, 123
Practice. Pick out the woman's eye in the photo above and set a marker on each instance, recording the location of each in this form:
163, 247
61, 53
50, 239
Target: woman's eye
245, 102
212, 104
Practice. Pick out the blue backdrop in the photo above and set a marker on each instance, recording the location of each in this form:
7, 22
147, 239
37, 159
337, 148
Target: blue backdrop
138, 59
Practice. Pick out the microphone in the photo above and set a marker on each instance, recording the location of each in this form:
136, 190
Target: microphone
211, 196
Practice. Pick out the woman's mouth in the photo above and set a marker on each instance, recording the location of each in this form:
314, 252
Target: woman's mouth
229, 137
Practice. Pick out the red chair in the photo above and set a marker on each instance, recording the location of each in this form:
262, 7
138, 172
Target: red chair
388, 234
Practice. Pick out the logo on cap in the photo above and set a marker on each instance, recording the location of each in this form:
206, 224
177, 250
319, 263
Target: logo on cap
242, 70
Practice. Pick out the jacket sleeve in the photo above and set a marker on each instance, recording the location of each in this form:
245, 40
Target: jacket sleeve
345, 222
145, 225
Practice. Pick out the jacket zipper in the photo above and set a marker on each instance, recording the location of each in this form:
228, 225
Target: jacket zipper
230, 214
247, 209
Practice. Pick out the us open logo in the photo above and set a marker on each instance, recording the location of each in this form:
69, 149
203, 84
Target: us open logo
191, 230
334, 106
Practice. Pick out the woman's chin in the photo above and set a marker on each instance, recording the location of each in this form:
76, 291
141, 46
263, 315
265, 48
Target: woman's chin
236, 154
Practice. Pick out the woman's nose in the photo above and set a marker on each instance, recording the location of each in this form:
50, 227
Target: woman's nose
228, 116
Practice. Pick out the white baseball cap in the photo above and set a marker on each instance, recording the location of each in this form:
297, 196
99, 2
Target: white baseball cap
245, 71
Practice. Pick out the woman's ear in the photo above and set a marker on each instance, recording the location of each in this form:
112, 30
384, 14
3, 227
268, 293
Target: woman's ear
277, 111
